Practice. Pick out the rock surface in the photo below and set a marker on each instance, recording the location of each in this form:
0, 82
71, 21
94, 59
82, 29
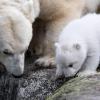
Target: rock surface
35, 84
87, 88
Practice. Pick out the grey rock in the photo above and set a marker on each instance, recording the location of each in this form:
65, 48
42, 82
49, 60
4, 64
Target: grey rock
86, 88
35, 84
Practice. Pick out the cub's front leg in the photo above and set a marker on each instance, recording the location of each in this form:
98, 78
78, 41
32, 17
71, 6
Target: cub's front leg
90, 65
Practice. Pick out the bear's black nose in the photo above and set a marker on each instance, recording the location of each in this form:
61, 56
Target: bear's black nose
17, 76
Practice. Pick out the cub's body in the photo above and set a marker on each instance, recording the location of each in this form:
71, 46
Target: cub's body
78, 47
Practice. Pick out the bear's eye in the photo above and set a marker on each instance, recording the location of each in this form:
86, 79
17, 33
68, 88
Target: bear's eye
71, 65
6, 52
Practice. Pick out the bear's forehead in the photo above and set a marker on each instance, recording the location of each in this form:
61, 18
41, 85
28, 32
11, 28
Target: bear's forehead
12, 46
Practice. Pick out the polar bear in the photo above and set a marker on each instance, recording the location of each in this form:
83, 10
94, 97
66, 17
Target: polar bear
53, 16
16, 18
78, 47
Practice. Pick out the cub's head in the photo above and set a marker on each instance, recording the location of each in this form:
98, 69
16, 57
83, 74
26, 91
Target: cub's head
69, 58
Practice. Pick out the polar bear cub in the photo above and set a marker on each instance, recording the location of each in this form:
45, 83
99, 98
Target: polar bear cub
78, 47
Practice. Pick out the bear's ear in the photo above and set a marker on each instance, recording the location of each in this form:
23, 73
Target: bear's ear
77, 46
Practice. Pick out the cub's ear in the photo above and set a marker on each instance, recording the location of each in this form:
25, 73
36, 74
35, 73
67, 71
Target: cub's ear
57, 45
77, 46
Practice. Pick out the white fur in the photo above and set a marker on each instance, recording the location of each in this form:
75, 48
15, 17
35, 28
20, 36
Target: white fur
16, 17
55, 14
79, 45
30, 8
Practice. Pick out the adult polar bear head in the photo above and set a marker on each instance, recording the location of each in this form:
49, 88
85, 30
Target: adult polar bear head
16, 17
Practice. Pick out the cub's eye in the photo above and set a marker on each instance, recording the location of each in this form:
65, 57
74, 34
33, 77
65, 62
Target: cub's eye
6, 52
71, 65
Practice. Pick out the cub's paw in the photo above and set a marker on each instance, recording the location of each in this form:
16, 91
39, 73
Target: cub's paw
45, 61
87, 73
